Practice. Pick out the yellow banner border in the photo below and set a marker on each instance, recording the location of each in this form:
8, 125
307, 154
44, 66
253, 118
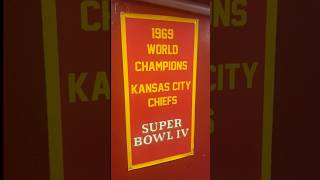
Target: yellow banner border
52, 77
123, 16
268, 98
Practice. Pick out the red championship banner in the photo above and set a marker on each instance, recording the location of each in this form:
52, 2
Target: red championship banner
159, 56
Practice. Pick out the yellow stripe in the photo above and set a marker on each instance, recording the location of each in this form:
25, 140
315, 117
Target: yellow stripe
159, 161
194, 81
126, 87
51, 59
159, 17
270, 44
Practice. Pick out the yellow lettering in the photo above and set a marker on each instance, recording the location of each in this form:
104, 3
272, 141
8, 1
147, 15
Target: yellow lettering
85, 25
101, 86
246, 75
162, 33
75, 87
162, 101
105, 15
161, 49
249, 73
241, 13
221, 12
232, 69
228, 13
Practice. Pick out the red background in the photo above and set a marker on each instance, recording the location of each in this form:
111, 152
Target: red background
237, 140
85, 125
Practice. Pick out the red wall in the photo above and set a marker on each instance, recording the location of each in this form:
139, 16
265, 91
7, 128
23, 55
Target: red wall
296, 142
24, 121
